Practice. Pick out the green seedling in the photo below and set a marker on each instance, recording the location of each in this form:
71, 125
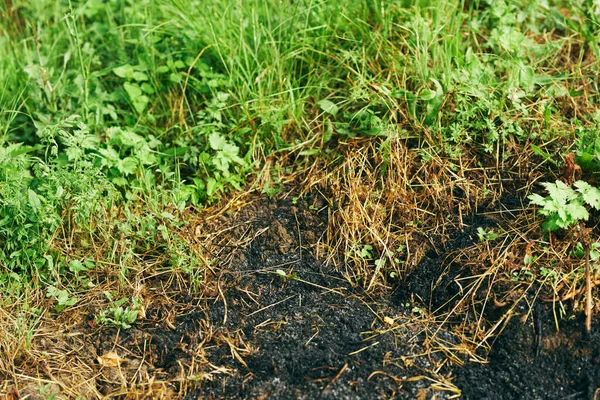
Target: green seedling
285, 276
522, 275
117, 315
63, 298
485, 235
566, 207
367, 251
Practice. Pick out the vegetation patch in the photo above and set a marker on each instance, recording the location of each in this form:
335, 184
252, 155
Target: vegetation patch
299, 199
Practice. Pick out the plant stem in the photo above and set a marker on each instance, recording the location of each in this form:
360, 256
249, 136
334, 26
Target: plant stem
588, 284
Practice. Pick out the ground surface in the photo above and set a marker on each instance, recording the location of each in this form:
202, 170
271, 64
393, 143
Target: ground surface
299, 199
280, 324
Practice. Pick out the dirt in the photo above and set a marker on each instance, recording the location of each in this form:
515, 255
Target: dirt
277, 323
533, 360
309, 334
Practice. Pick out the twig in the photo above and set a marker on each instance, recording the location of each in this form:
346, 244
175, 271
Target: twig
588, 283
271, 305
335, 378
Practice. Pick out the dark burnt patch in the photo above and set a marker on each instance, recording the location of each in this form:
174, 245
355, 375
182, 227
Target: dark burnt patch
284, 325
313, 334
533, 360
432, 282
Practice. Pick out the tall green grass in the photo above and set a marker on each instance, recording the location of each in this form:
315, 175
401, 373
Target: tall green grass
174, 103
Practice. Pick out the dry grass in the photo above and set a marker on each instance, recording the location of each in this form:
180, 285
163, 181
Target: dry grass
401, 202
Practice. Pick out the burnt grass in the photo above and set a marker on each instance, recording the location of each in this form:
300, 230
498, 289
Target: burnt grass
308, 333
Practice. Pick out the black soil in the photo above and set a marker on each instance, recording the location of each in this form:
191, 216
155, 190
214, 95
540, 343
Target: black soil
282, 325
533, 360
313, 335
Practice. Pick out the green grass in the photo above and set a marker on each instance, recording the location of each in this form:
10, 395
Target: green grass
181, 102
118, 119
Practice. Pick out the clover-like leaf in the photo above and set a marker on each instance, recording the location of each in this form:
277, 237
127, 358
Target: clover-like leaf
124, 71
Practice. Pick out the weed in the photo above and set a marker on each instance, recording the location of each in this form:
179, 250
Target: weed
41, 196
63, 298
285, 276
117, 315
485, 235
564, 207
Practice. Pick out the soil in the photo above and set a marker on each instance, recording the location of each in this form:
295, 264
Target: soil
535, 361
277, 323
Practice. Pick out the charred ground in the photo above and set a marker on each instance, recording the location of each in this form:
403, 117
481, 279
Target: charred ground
276, 322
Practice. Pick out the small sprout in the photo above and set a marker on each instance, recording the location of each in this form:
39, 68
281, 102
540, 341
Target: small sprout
529, 259
367, 251
485, 235
418, 310
578, 251
63, 298
281, 273
549, 273
118, 316
522, 275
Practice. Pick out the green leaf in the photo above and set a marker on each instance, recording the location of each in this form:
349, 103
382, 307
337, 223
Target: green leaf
74, 153
576, 212
217, 142
551, 224
211, 186
76, 266
328, 107
538, 150
427, 94
34, 200
109, 154
128, 165
591, 194
560, 192
147, 88
133, 90
145, 156
366, 251
221, 162
176, 151
129, 138
281, 273
139, 76
140, 103
232, 151
537, 200
124, 71
139, 100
